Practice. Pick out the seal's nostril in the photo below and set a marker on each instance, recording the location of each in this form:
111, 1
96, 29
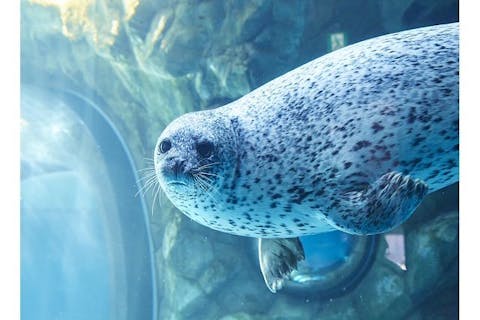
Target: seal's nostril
178, 166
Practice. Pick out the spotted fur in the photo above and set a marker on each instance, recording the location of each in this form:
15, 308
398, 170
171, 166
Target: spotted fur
302, 153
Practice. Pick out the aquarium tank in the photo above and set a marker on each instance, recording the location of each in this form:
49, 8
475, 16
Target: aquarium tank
101, 79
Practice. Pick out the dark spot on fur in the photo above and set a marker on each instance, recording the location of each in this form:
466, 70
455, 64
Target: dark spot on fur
361, 144
452, 163
417, 141
377, 127
298, 194
411, 115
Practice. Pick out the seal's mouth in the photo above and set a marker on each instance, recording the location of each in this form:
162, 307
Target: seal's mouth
176, 183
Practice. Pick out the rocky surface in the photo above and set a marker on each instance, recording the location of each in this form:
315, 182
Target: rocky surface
146, 62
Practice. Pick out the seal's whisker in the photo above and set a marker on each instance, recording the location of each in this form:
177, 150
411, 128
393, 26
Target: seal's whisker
206, 172
145, 174
150, 187
209, 174
206, 188
147, 177
206, 183
149, 182
161, 198
155, 198
205, 166
202, 178
141, 189
209, 188
201, 183
147, 186
209, 179
212, 163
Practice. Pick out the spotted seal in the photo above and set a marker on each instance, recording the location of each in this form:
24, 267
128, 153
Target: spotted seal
351, 141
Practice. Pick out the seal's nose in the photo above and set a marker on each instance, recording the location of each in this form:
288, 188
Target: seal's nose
178, 166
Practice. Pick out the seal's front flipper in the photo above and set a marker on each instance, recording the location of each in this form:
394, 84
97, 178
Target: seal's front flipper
387, 203
279, 257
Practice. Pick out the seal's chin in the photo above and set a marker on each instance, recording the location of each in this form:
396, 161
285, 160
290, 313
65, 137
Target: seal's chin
177, 188
177, 184
180, 187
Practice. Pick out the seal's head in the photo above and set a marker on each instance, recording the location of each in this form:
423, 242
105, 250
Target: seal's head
193, 156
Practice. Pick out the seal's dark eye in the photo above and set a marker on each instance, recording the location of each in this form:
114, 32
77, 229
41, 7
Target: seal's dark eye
205, 148
165, 145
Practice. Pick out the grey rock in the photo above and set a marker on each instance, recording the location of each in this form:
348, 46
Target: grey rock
382, 294
190, 255
433, 249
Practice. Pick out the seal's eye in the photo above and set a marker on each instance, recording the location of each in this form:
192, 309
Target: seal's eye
165, 145
205, 148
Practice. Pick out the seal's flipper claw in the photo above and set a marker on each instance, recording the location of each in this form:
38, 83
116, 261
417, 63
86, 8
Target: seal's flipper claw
278, 258
387, 203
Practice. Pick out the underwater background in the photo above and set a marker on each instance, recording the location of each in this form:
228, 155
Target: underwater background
100, 81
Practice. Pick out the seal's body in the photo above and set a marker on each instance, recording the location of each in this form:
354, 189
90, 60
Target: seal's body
351, 141
304, 142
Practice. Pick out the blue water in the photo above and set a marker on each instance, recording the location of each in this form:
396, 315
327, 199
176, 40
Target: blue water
76, 239
329, 250
64, 250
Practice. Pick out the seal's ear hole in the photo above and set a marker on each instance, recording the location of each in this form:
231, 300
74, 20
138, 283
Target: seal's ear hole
164, 146
204, 148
